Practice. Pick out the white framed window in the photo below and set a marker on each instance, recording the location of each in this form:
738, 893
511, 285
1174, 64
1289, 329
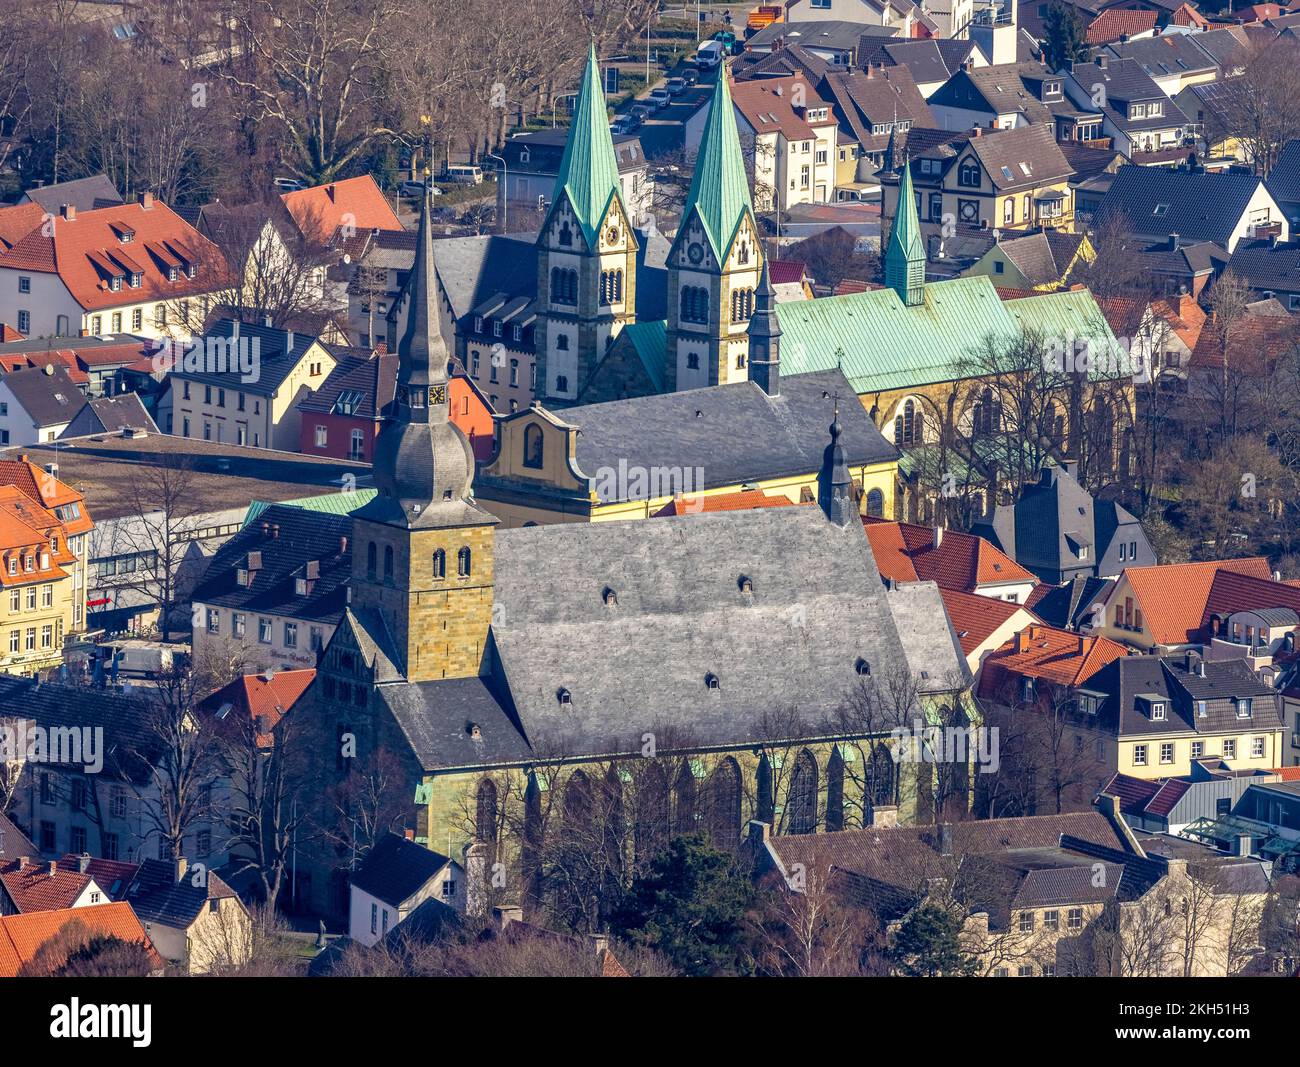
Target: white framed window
1139, 755
1229, 748
1167, 752
1257, 748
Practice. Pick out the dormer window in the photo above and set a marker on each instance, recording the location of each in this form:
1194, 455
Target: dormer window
862, 667
172, 274
564, 696
609, 597
475, 734
136, 279
191, 269
746, 585
711, 681
115, 283
1243, 707
1158, 711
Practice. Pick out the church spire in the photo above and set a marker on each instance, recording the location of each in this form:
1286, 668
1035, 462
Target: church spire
719, 187
588, 170
834, 483
765, 337
905, 254
423, 464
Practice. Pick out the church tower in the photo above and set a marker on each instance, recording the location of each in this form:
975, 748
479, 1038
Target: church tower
586, 252
715, 260
905, 253
422, 552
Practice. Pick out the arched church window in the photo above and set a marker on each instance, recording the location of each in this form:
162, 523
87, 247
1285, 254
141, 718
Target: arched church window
388, 563
566, 235
802, 800
372, 555
533, 446
463, 562
876, 504
485, 815
987, 414
909, 426
439, 564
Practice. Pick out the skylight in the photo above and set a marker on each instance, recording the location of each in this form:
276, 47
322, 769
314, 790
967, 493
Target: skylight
1161, 209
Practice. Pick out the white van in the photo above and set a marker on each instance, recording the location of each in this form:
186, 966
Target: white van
709, 55
465, 173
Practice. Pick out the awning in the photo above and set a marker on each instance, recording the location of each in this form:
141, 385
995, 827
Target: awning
99, 602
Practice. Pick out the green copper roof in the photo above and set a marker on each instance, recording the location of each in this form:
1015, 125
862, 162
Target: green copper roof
719, 187
905, 242
329, 503
888, 345
650, 342
588, 170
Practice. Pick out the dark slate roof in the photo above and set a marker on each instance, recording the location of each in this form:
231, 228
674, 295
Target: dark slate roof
14, 844
1124, 680
47, 394
831, 33
278, 353
396, 869
1065, 606
1026, 156
157, 897
1199, 257
1088, 162
791, 59
364, 383
1284, 179
734, 433
817, 607
1169, 53
1263, 267
545, 149
1126, 82
110, 414
305, 537
862, 101
1041, 257
997, 90
85, 194
1197, 206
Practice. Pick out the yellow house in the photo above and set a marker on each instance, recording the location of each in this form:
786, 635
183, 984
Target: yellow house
36, 585
627, 459
1041, 261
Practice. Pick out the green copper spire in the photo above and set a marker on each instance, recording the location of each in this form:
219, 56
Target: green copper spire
905, 255
588, 171
719, 186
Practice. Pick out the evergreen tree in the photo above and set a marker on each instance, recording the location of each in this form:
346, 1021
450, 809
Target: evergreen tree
689, 907
1064, 37
928, 945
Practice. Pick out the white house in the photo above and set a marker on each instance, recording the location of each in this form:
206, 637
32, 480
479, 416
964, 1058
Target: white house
396, 877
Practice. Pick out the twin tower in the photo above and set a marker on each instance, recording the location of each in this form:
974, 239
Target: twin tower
588, 255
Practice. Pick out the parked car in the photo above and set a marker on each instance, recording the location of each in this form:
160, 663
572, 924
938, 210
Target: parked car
641, 112
465, 173
709, 55
690, 76
621, 125
289, 185
659, 97
675, 86
416, 188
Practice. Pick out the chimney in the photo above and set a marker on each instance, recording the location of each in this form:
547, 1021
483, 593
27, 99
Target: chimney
179, 868
1174, 241
54, 868
1022, 641
146, 201
505, 914
23, 861
977, 132
1277, 576
1071, 467
275, 531
884, 816
68, 211
329, 191
83, 863
1273, 239
1102, 61
288, 341
938, 536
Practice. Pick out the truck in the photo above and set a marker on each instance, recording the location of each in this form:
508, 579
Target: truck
763, 16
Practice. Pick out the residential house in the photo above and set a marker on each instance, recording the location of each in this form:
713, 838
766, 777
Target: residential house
138, 268
893, 13
1122, 24
1170, 805
1160, 608
338, 210
982, 623
1136, 114
394, 879
1194, 206
870, 105
197, 923
794, 138
994, 97
932, 62
109, 415
37, 404
532, 163
1284, 180
1174, 61
1069, 605
905, 552
1041, 260
376, 285
1179, 266
1164, 332
23, 936
838, 44
629, 458
245, 385
84, 194
1270, 268
27, 886
1058, 531
274, 593
1012, 179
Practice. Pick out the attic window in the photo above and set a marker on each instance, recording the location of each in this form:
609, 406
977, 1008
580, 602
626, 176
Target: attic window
609, 597
862, 667
711, 680
1243, 708
1161, 209
746, 585
1158, 711
474, 732
563, 696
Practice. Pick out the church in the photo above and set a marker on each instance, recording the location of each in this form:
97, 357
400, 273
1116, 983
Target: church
508, 687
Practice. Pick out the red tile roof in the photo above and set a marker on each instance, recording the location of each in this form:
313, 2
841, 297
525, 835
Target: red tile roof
1047, 653
1254, 13
975, 618
1172, 596
87, 251
742, 501
1187, 15
21, 936
18, 221
785, 271
906, 553
1113, 24
45, 489
768, 106
32, 887
321, 210
1254, 344
254, 696
1231, 591
1289, 774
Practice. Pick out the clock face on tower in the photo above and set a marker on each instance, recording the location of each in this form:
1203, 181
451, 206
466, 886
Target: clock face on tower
437, 395
695, 253
611, 235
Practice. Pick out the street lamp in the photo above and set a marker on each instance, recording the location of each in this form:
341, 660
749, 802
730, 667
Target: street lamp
505, 190
556, 100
